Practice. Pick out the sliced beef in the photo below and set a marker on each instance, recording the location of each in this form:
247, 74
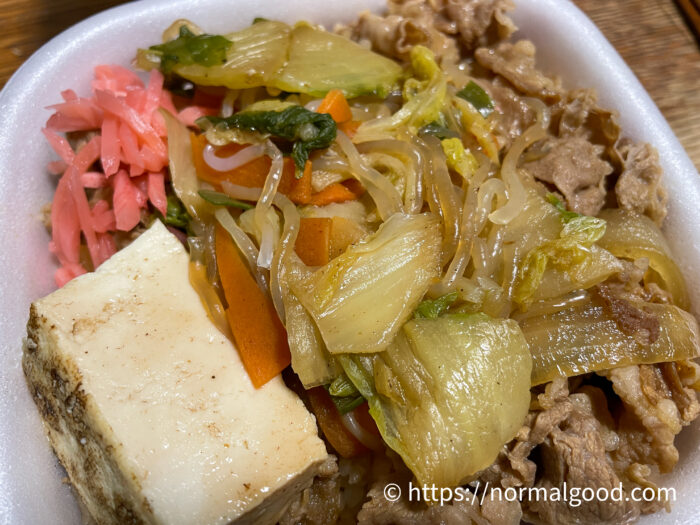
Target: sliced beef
513, 467
516, 63
513, 114
578, 114
442, 25
639, 187
473, 19
574, 453
576, 168
657, 404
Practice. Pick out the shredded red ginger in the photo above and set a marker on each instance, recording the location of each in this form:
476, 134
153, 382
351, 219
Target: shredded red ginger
132, 149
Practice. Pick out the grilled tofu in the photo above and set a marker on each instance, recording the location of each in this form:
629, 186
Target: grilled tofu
148, 406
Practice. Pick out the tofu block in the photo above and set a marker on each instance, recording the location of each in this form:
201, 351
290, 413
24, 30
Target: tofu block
148, 406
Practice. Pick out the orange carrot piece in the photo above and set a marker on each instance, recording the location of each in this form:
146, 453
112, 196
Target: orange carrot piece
313, 240
259, 335
333, 193
335, 104
350, 127
331, 423
299, 190
251, 174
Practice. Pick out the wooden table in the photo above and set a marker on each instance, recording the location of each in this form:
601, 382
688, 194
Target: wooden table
651, 35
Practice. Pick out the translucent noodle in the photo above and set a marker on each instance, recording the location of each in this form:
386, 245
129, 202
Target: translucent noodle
284, 250
244, 244
284, 247
413, 190
381, 190
268, 193
514, 186
443, 198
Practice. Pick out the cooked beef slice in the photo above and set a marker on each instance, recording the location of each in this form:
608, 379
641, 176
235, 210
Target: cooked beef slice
437, 24
639, 187
513, 114
657, 404
575, 167
516, 63
575, 453
578, 114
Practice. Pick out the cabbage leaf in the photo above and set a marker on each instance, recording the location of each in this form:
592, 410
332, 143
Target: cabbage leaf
360, 299
303, 59
424, 98
448, 393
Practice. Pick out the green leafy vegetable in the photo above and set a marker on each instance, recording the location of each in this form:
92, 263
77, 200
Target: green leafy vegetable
308, 130
320, 61
221, 199
433, 309
361, 298
342, 387
448, 393
477, 97
188, 48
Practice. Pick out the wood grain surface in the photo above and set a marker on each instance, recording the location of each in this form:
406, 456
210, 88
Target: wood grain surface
651, 35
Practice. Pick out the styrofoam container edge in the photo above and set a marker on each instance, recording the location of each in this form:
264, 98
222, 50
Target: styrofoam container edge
568, 44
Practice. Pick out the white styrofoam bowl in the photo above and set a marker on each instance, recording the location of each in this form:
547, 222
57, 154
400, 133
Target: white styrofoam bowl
31, 491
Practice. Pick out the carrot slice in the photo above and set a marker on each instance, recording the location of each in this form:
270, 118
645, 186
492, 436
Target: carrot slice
332, 193
298, 190
313, 240
335, 104
349, 128
253, 173
259, 335
331, 423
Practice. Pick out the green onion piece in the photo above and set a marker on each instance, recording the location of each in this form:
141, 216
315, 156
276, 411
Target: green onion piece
433, 309
342, 387
221, 199
347, 404
176, 214
438, 130
566, 215
477, 97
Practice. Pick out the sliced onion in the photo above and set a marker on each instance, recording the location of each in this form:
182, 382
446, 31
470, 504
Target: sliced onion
236, 160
